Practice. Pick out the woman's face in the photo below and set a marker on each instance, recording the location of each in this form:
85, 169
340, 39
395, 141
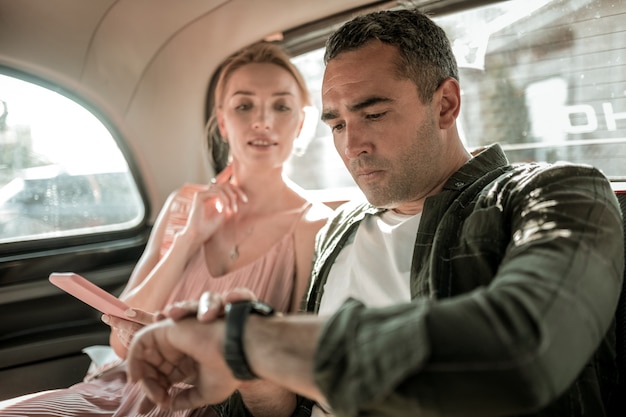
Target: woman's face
261, 114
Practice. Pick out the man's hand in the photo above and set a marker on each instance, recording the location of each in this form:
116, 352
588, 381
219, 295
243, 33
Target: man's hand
209, 307
169, 352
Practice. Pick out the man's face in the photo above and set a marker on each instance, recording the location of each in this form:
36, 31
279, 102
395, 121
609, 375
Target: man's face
388, 139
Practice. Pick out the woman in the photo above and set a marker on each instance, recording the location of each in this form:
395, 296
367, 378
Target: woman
250, 228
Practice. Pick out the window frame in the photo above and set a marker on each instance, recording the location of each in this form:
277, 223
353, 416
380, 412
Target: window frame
64, 243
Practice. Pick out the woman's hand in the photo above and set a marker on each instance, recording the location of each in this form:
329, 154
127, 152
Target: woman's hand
126, 328
212, 206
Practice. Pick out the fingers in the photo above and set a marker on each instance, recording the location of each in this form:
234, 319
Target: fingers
140, 316
155, 361
209, 307
224, 176
161, 389
223, 199
184, 399
153, 357
146, 404
234, 193
187, 399
138, 366
119, 323
181, 310
168, 352
238, 294
125, 329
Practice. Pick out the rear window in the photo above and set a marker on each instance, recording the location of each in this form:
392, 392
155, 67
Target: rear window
61, 171
544, 78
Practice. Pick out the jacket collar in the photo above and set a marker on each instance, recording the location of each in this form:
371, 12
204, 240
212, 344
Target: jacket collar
484, 160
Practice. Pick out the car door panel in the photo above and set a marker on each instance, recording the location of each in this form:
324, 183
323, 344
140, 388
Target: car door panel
43, 329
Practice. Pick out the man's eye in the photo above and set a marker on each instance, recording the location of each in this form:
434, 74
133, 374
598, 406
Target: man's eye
375, 116
338, 127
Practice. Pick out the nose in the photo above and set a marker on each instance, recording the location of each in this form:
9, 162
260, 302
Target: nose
262, 119
355, 142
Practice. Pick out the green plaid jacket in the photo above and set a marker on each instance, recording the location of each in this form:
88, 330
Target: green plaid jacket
515, 278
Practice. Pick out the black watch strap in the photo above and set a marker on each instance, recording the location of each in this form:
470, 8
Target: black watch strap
236, 316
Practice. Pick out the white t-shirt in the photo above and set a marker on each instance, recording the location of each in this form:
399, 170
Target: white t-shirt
375, 264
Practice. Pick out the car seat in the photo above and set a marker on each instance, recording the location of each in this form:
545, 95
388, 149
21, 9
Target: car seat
618, 408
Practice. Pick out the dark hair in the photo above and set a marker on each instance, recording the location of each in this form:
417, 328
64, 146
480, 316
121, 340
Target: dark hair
259, 53
425, 53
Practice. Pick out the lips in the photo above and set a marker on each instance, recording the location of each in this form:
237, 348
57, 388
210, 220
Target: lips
367, 174
262, 142
363, 172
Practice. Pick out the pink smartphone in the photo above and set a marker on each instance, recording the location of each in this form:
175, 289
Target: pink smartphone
89, 293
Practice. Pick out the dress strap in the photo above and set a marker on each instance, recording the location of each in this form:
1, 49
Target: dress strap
301, 212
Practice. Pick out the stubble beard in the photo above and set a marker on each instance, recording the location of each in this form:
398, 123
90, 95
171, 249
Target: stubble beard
408, 183
390, 194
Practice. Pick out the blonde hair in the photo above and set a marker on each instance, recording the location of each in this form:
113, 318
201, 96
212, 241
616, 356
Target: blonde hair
259, 53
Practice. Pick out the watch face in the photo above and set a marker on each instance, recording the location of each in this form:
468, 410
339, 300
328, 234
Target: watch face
262, 308
254, 306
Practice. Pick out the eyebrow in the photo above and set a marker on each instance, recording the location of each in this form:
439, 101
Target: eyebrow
251, 93
368, 102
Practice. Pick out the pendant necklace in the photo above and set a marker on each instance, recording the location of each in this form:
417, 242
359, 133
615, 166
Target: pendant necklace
234, 253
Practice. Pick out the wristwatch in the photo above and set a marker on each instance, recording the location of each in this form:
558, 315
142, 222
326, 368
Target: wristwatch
236, 315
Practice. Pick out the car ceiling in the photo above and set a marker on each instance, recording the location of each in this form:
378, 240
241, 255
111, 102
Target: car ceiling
144, 65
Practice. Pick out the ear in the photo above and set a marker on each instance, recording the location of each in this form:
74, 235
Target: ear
448, 98
221, 125
302, 119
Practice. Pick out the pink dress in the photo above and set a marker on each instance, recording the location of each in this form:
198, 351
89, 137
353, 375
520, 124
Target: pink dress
270, 277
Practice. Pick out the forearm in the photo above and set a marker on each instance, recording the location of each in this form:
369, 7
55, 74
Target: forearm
152, 252
364, 354
281, 349
152, 293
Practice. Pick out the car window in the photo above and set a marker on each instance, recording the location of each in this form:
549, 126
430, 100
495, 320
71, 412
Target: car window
61, 171
544, 78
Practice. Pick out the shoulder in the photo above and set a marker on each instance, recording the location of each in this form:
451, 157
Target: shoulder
576, 189
314, 218
562, 177
315, 213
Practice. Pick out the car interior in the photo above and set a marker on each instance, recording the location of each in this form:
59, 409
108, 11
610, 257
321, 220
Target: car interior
103, 107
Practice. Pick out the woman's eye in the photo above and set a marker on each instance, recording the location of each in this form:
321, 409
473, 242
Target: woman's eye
282, 107
243, 107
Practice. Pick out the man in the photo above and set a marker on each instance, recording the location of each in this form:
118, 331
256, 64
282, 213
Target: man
464, 286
